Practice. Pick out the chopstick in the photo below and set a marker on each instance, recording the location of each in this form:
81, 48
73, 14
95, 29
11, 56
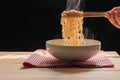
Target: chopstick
94, 14
82, 14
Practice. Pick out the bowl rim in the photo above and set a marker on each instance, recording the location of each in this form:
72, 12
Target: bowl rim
48, 43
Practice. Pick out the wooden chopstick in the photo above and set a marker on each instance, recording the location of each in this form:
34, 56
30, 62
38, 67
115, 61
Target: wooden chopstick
94, 14
82, 14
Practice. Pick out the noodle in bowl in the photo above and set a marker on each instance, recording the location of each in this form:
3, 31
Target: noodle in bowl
57, 48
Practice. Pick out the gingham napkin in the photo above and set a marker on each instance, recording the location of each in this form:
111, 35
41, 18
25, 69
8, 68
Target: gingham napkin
42, 58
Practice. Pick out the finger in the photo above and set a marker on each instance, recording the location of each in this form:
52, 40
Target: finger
116, 9
108, 15
112, 19
118, 13
117, 19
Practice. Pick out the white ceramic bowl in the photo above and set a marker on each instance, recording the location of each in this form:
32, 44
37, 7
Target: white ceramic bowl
73, 53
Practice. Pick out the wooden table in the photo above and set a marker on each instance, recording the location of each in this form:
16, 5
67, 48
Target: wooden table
11, 68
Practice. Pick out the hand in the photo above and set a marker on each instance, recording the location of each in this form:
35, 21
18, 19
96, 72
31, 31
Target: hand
114, 16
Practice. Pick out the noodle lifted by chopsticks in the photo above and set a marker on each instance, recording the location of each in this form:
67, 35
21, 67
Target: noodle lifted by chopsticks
72, 29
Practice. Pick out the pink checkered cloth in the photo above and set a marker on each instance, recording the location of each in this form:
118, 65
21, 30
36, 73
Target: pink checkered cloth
43, 59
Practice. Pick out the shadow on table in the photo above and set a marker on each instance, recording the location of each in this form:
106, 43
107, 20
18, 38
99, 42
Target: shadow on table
68, 70
71, 70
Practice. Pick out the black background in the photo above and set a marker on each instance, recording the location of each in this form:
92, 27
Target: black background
26, 24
